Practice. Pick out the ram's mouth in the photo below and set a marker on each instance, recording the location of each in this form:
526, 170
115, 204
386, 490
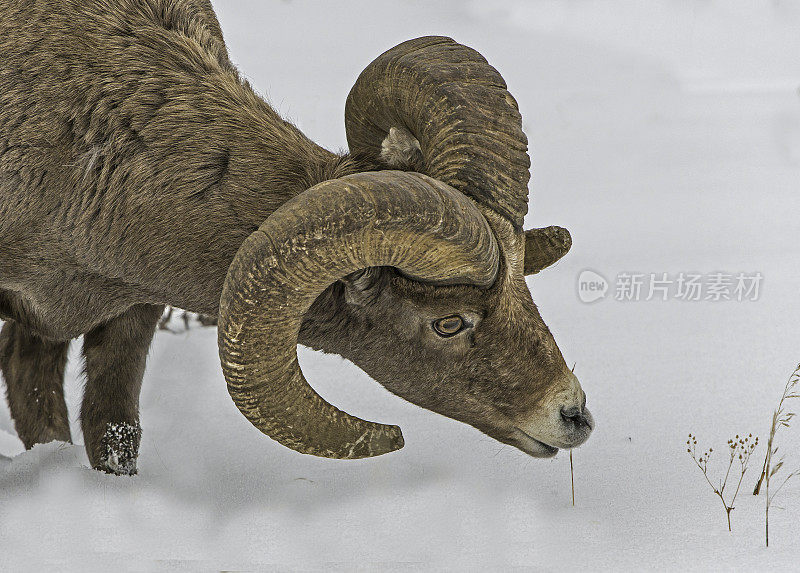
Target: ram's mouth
532, 446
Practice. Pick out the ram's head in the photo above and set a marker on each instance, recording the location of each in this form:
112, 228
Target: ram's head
422, 276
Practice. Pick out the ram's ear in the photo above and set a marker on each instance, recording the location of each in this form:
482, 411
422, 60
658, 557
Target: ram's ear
543, 247
401, 150
362, 287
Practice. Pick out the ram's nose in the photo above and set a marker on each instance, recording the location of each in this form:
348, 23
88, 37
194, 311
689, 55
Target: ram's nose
577, 416
577, 424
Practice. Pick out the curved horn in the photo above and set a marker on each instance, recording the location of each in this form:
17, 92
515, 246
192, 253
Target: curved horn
426, 229
457, 106
543, 247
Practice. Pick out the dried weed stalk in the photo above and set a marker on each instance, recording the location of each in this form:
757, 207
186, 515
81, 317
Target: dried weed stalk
739, 452
186, 317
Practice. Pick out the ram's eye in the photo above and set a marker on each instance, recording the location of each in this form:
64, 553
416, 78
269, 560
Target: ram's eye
448, 326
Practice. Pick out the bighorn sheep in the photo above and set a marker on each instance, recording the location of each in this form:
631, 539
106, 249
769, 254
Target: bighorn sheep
138, 169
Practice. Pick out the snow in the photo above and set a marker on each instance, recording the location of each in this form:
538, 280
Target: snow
666, 136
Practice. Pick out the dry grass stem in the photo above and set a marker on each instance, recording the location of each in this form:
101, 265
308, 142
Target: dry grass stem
781, 418
572, 477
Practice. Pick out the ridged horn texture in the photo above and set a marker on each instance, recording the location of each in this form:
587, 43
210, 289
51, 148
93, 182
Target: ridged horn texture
457, 106
545, 246
426, 229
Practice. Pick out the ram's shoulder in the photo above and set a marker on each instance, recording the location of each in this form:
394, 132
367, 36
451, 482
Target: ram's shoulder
193, 19
204, 11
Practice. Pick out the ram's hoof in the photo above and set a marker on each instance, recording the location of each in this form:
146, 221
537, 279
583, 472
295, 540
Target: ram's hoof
119, 448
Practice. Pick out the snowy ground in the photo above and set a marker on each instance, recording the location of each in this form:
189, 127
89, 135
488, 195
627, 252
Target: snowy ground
666, 136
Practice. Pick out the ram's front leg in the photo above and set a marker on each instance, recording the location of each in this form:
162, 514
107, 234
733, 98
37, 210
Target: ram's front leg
115, 354
33, 369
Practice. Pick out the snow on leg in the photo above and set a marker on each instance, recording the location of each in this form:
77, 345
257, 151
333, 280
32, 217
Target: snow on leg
115, 354
33, 369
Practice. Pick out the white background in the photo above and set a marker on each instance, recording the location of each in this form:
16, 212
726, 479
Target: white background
666, 137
